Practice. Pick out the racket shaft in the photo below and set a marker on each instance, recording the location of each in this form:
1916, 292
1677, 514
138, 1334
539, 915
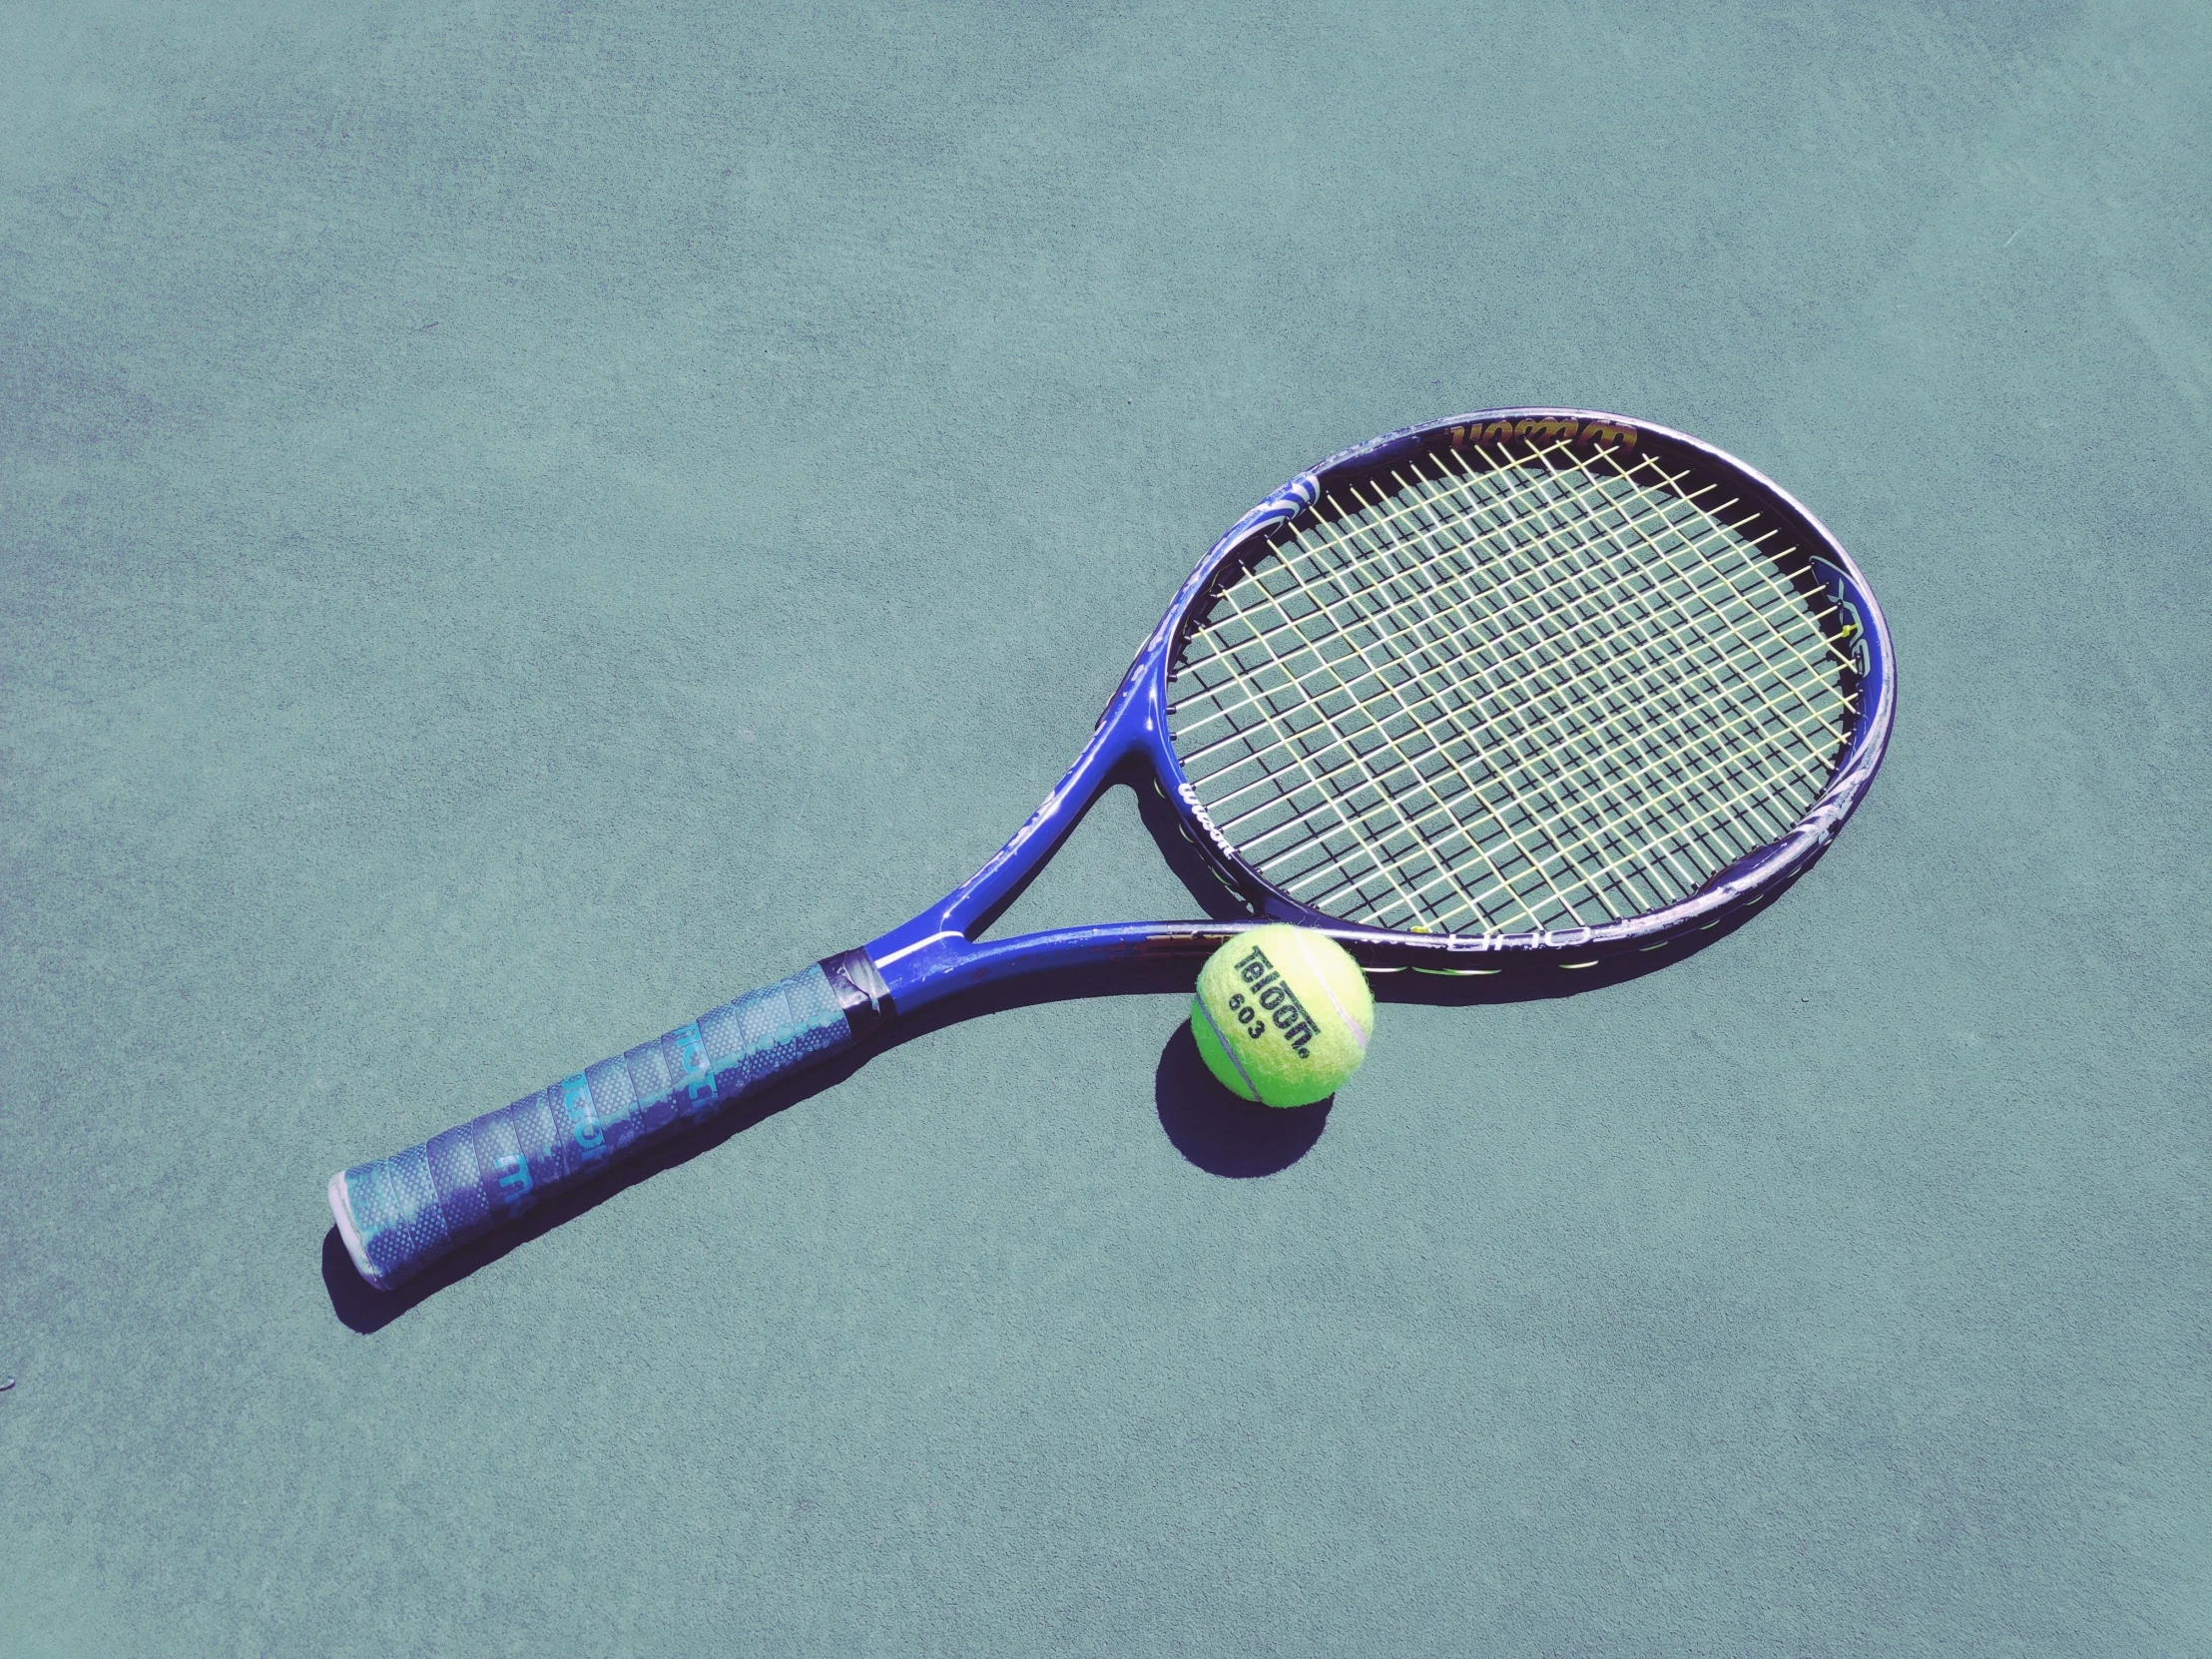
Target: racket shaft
400, 1213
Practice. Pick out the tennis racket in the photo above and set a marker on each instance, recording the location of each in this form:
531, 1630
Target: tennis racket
1525, 690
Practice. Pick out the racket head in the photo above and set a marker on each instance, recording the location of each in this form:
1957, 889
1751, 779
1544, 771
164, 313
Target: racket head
1525, 686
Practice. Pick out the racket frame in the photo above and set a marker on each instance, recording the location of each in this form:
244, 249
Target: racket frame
421, 1204
936, 953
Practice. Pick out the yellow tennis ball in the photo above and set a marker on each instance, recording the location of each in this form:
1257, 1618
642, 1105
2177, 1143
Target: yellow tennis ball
1282, 1015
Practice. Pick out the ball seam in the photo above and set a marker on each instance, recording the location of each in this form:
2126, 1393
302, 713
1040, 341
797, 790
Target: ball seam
1322, 980
1214, 1026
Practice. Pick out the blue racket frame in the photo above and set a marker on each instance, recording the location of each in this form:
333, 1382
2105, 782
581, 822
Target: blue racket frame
396, 1215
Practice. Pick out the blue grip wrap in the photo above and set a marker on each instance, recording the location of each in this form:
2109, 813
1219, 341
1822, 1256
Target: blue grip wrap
400, 1213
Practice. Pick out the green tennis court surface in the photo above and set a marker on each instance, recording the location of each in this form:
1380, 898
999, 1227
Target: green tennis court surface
520, 524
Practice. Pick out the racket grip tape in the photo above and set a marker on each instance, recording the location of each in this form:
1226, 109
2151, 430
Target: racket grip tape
400, 1213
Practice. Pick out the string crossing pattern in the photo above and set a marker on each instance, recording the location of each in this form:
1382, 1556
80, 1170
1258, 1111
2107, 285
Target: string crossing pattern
1498, 691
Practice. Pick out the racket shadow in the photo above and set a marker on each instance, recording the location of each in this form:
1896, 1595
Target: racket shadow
1210, 1128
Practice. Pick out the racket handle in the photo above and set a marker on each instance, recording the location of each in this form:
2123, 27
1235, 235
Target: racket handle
401, 1213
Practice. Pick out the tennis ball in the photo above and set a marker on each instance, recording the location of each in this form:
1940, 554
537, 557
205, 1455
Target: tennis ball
1282, 1015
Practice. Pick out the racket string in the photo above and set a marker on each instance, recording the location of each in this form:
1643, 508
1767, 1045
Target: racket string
1445, 627
1767, 740
1519, 600
1616, 751
1559, 817
1524, 851
1597, 765
1578, 763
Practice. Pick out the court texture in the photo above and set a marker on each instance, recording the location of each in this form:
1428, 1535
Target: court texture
521, 522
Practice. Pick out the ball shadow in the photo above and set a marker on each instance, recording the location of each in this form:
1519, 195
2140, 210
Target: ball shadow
1222, 1135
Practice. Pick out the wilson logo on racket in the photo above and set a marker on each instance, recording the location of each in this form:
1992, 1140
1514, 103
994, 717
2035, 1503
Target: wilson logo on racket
1552, 429
1266, 998
1197, 813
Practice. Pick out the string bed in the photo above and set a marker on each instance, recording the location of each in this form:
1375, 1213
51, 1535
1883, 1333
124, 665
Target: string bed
1492, 691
